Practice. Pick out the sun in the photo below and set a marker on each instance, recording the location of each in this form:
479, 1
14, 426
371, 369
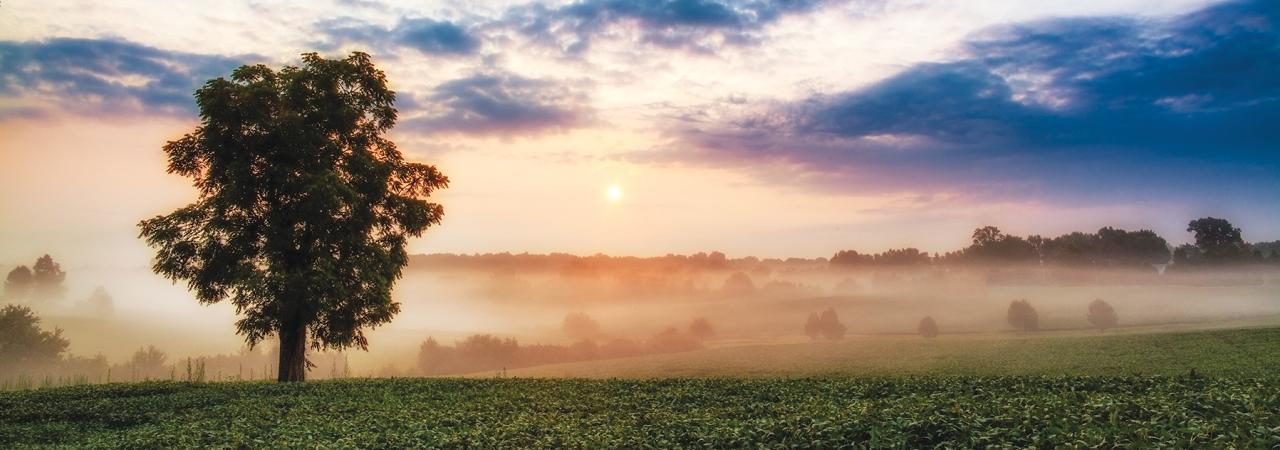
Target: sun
613, 193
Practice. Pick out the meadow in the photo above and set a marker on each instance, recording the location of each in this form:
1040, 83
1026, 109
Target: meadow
1039, 392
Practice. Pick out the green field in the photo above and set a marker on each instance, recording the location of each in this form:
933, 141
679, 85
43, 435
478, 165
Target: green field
910, 412
1244, 352
973, 392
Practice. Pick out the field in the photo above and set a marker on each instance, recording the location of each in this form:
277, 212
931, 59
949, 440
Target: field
1252, 352
1066, 390
897, 412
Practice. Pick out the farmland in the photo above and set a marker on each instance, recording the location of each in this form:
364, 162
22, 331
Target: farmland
959, 412
1117, 390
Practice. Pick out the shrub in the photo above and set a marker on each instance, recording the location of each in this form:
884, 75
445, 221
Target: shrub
928, 328
824, 325
701, 329
1023, 317
579, 326
1102, 315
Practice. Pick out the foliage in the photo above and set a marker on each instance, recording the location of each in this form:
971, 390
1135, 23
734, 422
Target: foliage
100, 303
739, 284
47, 279
892, 257
701, 328
824, 325
18, 284
1102, 315
580, 326
22, 341
898, 412
1022, 316
304, 207
927, 328
1218, 240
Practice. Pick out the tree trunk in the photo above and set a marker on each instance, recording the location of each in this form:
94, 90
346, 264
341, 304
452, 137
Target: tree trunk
293, 354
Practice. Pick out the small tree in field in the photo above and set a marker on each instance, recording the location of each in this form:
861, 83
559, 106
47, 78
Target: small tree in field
580, 326
1023, 317
22, 340
48, 278
18, 284
1102, 315
824, 325
927, 328
701, 328
304, 208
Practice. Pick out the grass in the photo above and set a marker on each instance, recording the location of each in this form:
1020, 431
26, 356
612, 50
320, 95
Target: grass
957, 392
1251, 352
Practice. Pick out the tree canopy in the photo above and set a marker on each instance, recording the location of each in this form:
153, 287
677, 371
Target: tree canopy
22, 340
304, 207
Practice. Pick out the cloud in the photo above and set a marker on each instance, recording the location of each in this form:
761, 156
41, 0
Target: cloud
104, 76
430, 37
699, 25
1059, 107
500, 103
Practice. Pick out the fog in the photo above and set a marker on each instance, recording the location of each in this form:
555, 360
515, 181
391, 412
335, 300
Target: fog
540, 309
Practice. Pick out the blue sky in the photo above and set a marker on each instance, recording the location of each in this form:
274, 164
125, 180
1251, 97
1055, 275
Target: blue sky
778, 128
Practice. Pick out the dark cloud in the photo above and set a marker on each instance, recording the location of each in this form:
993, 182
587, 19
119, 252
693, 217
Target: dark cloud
428, 36
1072, 105
105, 76
685, 24
499, 103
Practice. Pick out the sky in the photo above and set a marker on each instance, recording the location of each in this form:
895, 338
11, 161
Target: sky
752, 127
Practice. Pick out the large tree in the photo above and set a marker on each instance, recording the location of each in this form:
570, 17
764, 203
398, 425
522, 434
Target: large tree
304, 206
1217, 239
48, 277
17, 285
22, 340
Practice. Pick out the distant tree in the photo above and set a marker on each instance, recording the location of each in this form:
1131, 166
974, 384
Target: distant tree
670, 340
580, 326
148, 362
992, 245
824, 325
304, 208
739, 283
1023, 317
100, 303
19, 283
1217, 239
927, 328
48, 277
22, 340
1102, 315
850, 258
701, 329
847, 286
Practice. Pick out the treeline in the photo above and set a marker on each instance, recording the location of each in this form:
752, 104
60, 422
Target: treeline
1217, 243
484, 352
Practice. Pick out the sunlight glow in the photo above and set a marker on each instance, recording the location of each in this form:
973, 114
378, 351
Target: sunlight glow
614, 193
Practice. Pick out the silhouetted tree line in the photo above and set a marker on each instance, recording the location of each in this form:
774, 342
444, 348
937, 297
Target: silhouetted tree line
1217, 242
42, 281
485, 352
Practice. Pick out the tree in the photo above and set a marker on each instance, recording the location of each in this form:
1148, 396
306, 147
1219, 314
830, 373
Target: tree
100, 303
148, 362
1022, 316
1102, 315
48, 277
927, 328
580, 326
824, 325
19, 282
739, 283
1217, 239
701, 328
304, 208
22, 340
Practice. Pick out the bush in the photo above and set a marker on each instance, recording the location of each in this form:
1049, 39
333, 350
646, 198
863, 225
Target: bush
824, 325
1023, 317
928, 328
701, 329
22, 340
1102, 315
579, 326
